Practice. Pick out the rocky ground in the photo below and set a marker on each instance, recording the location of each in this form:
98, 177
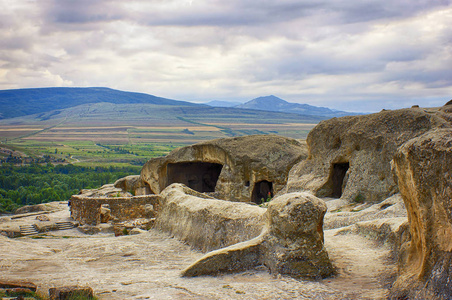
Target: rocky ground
148, 265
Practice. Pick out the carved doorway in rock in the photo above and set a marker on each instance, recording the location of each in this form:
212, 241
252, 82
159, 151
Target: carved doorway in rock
199, 176
337, 178
261, 191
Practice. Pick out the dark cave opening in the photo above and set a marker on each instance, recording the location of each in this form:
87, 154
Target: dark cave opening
337, 177
261, 191
199, 176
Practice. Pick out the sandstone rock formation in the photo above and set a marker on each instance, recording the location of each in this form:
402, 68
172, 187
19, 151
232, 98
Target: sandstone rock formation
294, 244
206, 223
424, 170
290, 243
350, 157
107, 190
43, 207
133, 184
248, 168
393, 207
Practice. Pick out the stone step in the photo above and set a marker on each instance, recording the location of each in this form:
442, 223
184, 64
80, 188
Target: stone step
64, 225
28, 229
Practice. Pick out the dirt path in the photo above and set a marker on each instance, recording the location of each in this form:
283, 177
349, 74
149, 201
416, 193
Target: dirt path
365, 267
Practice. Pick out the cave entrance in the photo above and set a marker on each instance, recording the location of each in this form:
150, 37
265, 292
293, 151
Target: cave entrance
337, 178
199, 176
261, 191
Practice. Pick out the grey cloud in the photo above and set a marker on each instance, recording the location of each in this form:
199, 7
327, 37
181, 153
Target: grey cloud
82, 11
235, 48
253, 13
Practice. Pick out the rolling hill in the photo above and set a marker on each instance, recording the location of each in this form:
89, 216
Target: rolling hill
22, 102
108, 106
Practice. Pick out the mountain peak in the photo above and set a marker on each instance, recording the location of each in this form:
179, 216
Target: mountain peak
270, 98
273, 103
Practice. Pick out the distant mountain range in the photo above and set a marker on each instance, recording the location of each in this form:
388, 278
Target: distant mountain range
22, 102
105, 105
273, 103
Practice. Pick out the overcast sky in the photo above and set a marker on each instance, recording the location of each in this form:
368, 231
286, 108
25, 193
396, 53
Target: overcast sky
356, 55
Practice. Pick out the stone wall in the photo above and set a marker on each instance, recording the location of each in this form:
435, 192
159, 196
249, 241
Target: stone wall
87, 210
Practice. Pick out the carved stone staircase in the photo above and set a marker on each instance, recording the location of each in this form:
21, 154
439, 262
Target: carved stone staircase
64, 225
28, 229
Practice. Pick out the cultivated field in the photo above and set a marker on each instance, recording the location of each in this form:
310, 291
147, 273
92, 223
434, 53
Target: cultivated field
97, 145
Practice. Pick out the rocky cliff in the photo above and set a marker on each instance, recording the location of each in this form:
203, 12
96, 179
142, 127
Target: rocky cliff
424, 170
350, 157
249, 168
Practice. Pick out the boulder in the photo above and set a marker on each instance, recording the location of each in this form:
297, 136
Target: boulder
423, 167
245, 169
206, 223
290, 243
350, 157
71, 292
294, 243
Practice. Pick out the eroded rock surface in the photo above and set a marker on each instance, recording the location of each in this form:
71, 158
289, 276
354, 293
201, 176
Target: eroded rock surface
291, 243
248, 168
350, 157
206, 223
133, 184
393, 207
43, 207
294, 245
424, 170
107, 190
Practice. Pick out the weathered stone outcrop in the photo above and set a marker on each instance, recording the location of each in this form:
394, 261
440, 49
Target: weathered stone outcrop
424, 170
393, 207
291, 242
294, 244
242, 169
133, 184
350, 157
87, 210
43, 207
206, 223
107, 190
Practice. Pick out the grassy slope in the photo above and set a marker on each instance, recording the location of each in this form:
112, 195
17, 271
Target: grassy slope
21, 102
